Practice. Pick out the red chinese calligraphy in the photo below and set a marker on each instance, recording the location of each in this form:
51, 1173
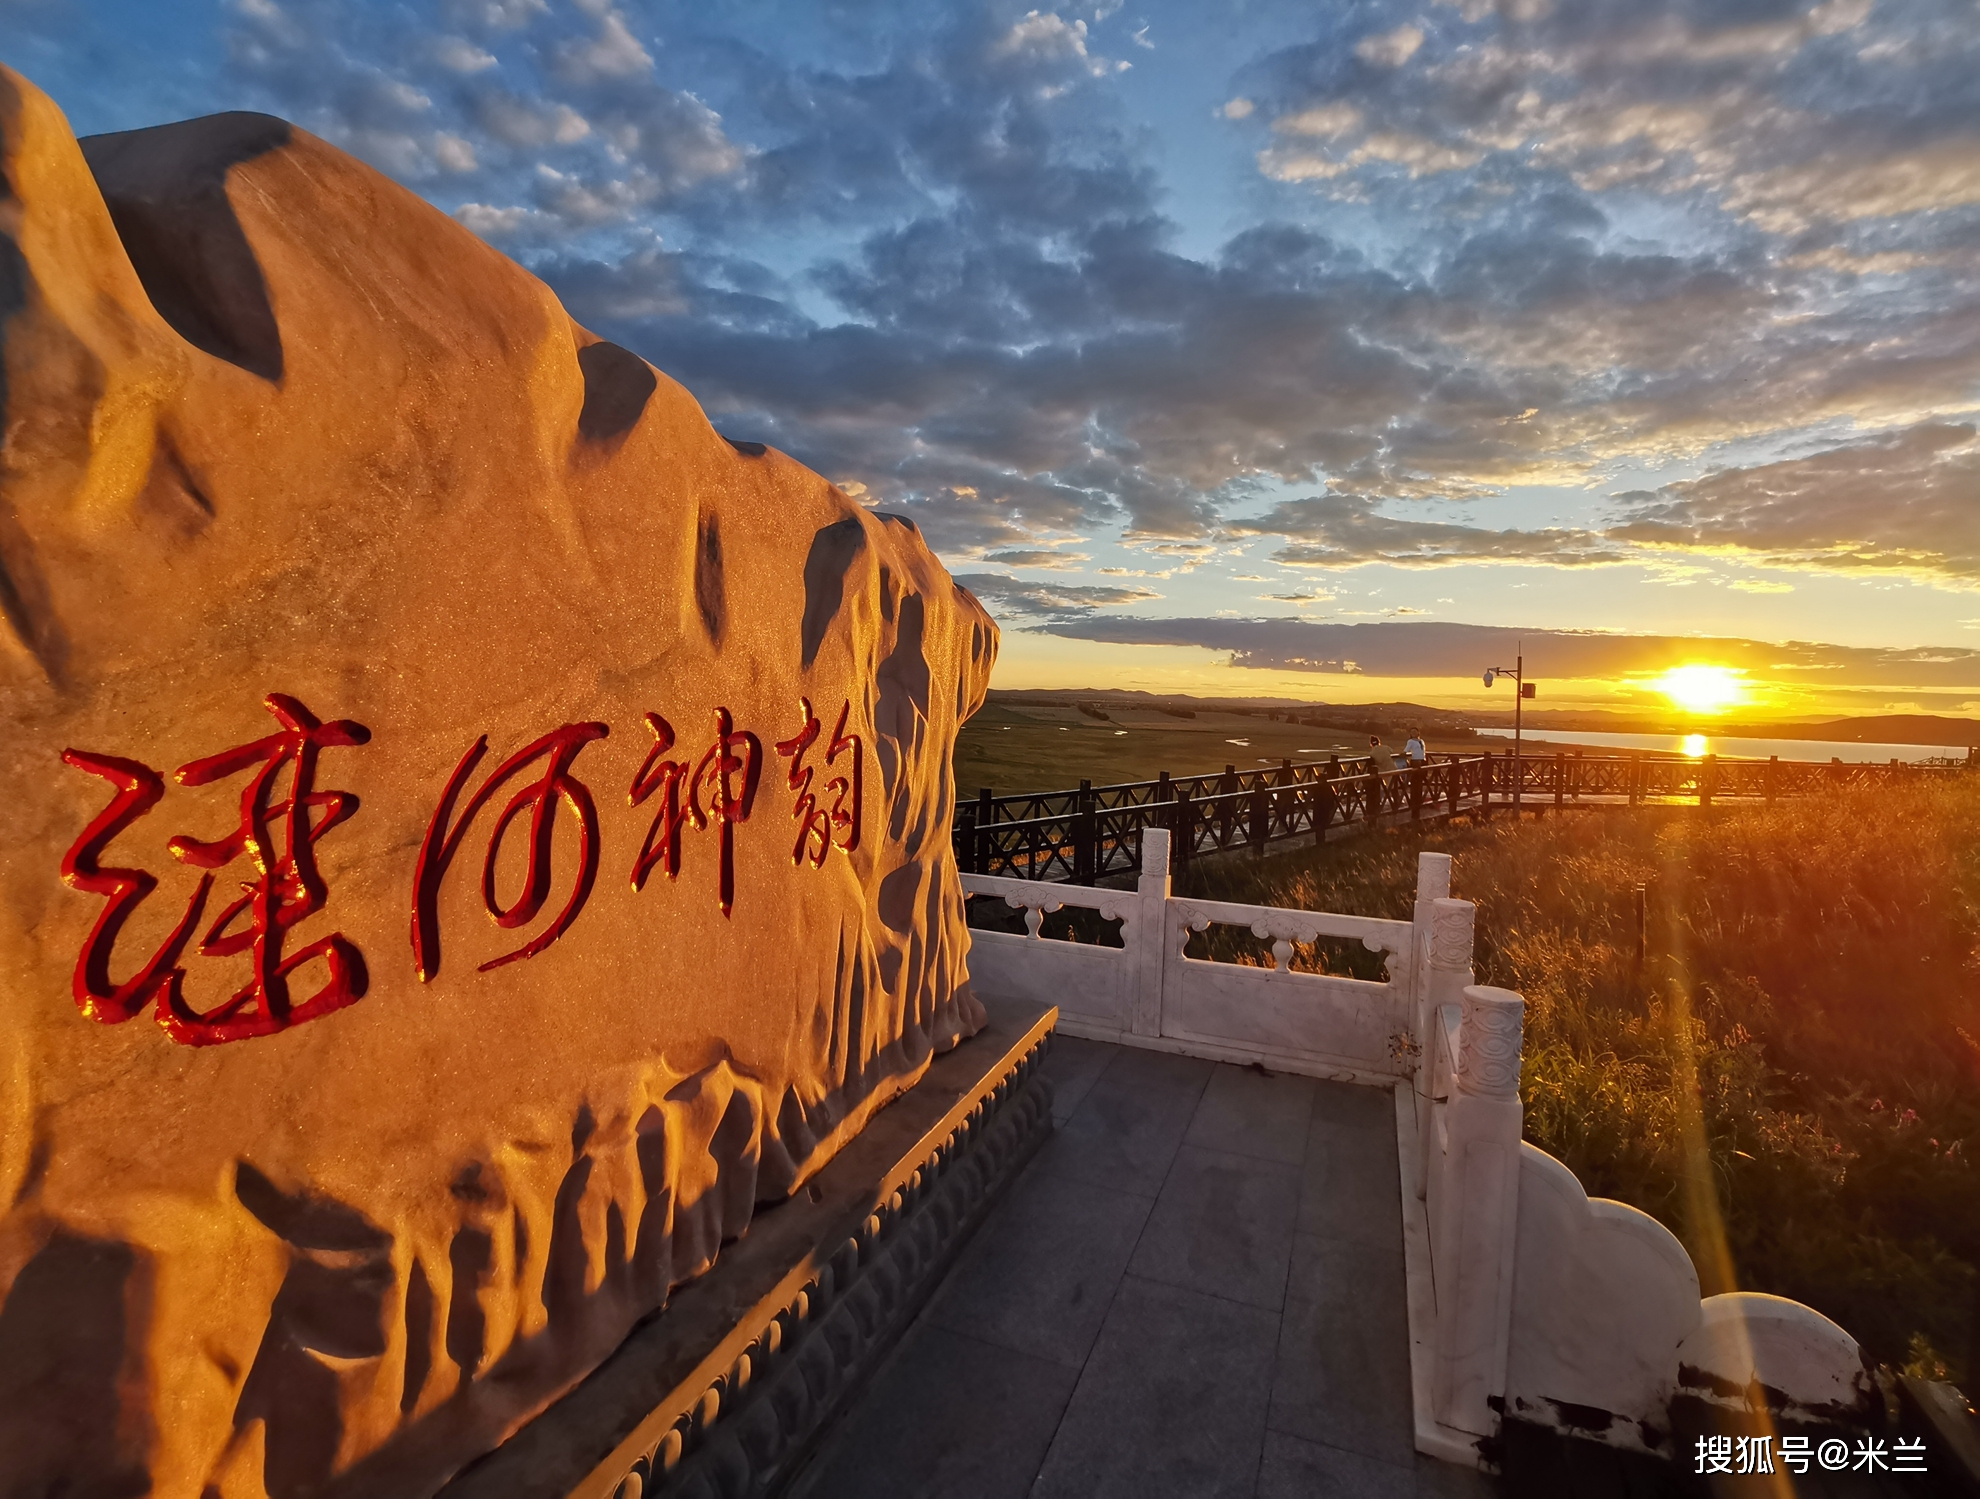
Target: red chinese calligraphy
279, 838
734, 752
98, 996
656, 773
540, 798
820, 827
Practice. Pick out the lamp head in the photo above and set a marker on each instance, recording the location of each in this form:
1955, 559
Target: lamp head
1491, 674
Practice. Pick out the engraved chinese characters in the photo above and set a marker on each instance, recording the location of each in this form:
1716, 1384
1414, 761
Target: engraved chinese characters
718, 789
663, 838
440, 511
732, 754
820, 827
539, 798
279, 838
740, 754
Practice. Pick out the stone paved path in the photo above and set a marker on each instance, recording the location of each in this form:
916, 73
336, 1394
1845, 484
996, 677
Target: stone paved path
1195, 1288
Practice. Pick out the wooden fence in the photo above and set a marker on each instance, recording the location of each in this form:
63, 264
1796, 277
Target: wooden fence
1088, 833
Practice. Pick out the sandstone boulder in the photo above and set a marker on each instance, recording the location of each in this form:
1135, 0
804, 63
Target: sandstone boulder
471, 832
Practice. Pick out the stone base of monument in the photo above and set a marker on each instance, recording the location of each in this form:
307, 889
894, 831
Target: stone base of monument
726, 1391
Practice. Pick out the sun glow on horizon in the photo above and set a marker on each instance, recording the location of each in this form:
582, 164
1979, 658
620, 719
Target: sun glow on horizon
1702, 689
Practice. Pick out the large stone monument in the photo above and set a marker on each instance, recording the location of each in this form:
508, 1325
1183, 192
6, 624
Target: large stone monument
472, 833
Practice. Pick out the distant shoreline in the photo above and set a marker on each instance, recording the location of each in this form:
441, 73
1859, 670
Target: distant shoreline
1914, 729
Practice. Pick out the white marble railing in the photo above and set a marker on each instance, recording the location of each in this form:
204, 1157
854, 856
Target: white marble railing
1526, 1297
1148, 993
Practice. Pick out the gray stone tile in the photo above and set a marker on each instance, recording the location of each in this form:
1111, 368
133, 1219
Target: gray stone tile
1441, 1480
1342, 1376
1257, 1113
1324, 1267
1355, 1106
1126, 1130
1138, 1066
1172, 1401
947, 1416
1292, 1468
1042, 1270
1072, 1063
1351, 1186
1223, 1225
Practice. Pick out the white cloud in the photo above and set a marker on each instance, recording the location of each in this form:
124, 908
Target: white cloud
1326, 121
1046, 35
492, 222
498, 15
1238, 109
1834, 188
1420, 155
613, 53
1390, 49
1423, 157
457, 55
1004, 595
1835, 16
1891, 504
1875, 263
1039, 557
529, 123
403, 96
1298, 166
453, 153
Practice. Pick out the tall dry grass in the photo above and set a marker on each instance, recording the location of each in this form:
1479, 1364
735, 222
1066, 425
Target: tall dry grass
1791, 1080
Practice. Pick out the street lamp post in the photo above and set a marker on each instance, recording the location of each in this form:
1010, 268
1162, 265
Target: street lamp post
1517, 671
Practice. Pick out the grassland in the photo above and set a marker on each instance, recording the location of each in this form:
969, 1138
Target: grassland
1790, 1080
1050, 748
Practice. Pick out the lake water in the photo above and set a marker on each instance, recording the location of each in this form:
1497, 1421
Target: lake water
1696, 745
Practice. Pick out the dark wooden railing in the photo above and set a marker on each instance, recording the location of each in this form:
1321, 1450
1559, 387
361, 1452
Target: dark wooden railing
1091, 832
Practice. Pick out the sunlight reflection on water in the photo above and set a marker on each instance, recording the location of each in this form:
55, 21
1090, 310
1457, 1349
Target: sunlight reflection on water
1731, 746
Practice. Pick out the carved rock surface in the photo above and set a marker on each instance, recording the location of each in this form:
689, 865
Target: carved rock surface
295, 466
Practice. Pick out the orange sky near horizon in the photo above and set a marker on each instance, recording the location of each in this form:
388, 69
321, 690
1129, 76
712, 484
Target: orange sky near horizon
1702, 689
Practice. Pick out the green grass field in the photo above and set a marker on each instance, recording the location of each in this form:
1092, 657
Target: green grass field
1013, 750
1791, 1081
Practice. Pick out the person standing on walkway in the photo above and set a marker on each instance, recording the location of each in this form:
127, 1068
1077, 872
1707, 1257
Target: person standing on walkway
1381, 757
1414, 751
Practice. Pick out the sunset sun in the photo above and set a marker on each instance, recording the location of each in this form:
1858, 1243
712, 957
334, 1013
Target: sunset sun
1701, 689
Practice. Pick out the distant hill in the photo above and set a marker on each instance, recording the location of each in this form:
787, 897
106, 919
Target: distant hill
1890, 728
1376, 718
1388, 718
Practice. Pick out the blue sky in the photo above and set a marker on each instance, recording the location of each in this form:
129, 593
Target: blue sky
1166, 319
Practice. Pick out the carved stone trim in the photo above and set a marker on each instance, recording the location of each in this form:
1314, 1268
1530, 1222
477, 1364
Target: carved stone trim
1488, 1042
1451, 924
753, 1426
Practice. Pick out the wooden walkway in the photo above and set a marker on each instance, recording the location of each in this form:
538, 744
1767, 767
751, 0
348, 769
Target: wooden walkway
1089, 833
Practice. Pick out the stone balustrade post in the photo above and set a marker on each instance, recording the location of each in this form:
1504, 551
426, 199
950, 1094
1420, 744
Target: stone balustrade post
1445, 927
1433, 883
1472, 1226
1148, 934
